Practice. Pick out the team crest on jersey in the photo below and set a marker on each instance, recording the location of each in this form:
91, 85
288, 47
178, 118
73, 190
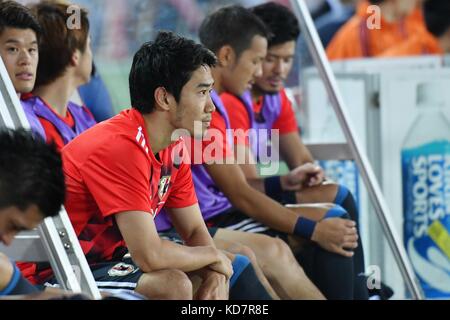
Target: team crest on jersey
121, 269
163, 186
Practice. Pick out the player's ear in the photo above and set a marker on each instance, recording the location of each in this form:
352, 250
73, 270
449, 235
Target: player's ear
162, 98
75, 59
226, 56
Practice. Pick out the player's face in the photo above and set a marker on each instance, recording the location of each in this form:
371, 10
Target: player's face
276, 67
195, 107
241, 74
19, 51
14, 220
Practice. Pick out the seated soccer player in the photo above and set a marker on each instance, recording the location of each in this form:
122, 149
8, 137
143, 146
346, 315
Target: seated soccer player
19, 35
31, 189
65, 62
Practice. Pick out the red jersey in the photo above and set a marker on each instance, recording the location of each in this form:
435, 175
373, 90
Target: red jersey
111, 168
239, 118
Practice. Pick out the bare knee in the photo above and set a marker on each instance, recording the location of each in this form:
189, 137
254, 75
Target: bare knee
6, 271
170, 284
244, 250
181, 283
4, 261
277, 251
325, 192
329, 189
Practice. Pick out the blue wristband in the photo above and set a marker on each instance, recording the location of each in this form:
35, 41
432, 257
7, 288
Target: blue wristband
304, 227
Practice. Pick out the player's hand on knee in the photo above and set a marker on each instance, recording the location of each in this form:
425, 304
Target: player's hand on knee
306, 175
336, 235
215, 286
223, 265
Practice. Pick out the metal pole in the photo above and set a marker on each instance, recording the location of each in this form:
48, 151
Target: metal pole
318, 53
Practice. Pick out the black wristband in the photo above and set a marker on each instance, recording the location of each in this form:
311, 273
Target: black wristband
289, 197
272, 187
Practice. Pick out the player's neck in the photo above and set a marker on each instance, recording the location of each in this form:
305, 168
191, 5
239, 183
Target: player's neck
158, 130
256, 93
57, 94
218, 87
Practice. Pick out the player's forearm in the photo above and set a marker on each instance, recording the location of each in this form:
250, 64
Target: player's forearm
293, 151
170, 255
262, 208
296, 159
257, 183
199, 237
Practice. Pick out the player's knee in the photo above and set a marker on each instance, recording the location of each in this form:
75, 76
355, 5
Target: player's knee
170, 284
246, 251
6, 270
181, 282
277, 250
4, 262
177, 285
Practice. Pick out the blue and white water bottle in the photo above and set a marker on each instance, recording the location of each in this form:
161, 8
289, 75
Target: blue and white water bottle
426, 192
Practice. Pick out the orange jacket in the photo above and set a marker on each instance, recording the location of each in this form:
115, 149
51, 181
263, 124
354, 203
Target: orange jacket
422, 43
355, 40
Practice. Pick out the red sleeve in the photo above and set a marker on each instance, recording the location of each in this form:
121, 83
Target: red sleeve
238, 115
286, 121
182, 193
118, 177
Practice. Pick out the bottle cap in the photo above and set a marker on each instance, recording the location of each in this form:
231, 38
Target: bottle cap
430, 94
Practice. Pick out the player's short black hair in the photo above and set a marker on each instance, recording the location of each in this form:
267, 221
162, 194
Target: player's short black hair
234, 26
282, 23
30, 172
15, 15
168, 62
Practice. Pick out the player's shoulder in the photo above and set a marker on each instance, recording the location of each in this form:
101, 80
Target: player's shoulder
230, 99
